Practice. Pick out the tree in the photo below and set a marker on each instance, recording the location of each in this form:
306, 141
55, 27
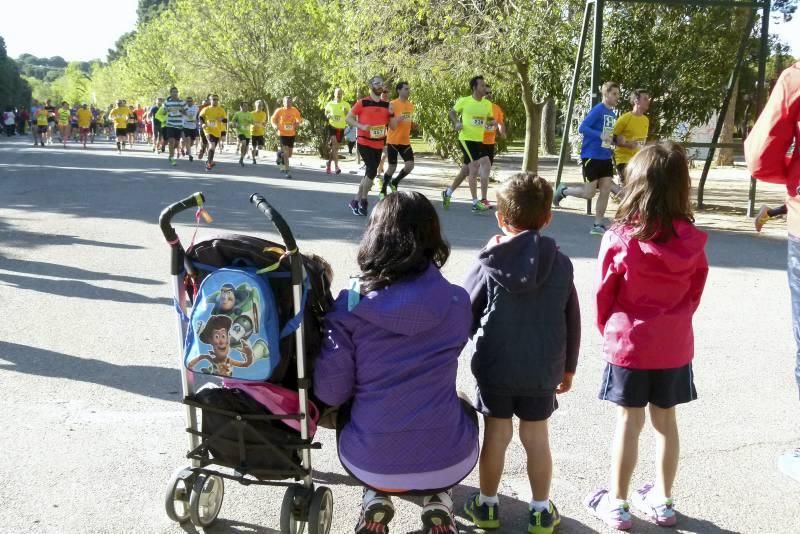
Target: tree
14, 90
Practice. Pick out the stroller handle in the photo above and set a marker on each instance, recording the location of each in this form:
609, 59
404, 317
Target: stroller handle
165, 219
276, 219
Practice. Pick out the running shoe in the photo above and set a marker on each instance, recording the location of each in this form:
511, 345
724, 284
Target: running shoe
487, 203
559, 196
381, 196
544, 522
191, 159
172, 162
288, 175
659, 512
338, 170
789, 464
483, 515
762, 218
393, 186
363, 208
241, 161
446, 199
437, 514
209, 166
254, 161
597, 229
479, 207
613, 514
328, 168
376, 512
354, 207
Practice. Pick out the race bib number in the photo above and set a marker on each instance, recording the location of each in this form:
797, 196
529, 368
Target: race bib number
259, 124
212, 124
336, 118
490, 127
478, 121
377, 132
406, 115
288, 126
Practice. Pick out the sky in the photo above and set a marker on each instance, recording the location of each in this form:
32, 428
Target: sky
104, 20
109, 20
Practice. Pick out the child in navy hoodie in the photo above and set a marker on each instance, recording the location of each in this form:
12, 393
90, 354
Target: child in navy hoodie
527, 317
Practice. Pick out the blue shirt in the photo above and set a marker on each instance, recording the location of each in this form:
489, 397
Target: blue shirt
599, 118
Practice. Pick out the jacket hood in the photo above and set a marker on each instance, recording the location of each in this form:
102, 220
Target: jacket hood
676, 255
521, 262
411, 306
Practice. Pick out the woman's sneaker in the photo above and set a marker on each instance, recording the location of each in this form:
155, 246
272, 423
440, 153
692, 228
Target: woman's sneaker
437, 514
376, 512
597, 229
483, 515
659, 511
545, 521
613, 514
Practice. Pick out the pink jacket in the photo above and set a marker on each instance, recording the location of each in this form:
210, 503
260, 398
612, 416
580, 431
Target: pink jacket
647, 294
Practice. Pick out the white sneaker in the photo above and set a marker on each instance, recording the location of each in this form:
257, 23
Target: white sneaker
376, 512
437, 514
789, 464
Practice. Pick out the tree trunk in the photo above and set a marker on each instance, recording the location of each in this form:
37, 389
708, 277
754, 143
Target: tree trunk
725, 155
549, 127
533, 120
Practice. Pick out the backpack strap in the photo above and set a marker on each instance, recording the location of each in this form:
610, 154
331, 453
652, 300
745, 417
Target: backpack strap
294, 323
353, 293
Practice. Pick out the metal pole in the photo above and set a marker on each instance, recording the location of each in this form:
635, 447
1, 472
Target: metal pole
597, 55
760, 91
562, 157
724, 109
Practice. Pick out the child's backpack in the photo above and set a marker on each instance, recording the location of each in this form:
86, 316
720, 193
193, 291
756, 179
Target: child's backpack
233, 326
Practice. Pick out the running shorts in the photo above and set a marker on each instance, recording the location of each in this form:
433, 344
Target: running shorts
156, 125
472, 150
332, 131
243, 137
121, 132
287, 141
258, 141
190, 133
621, 172
172, 133
42, 129
594, 169
507, 406
636, 388
489, 151
131, 128
405, 152
371, 157
212, 139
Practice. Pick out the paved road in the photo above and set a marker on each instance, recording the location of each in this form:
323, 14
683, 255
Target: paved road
92, 427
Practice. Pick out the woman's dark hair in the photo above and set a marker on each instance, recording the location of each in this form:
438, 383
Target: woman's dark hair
403, 237
657, 192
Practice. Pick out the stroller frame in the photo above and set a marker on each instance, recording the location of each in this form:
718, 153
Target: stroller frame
196, 491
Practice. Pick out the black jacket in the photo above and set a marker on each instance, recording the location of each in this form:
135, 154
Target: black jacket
526, 316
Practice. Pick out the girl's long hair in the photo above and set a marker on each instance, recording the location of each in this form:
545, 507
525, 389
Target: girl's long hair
403, 237
657, 192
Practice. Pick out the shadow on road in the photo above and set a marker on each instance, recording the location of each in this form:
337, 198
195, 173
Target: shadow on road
64, 271
149, 381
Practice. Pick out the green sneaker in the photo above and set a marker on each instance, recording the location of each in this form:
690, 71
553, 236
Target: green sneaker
483, 515
393, 187
446, 199
479, 207
544, 522
381, 196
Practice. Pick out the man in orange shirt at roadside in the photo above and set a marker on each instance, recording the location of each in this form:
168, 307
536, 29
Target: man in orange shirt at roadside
286, 120
399, 139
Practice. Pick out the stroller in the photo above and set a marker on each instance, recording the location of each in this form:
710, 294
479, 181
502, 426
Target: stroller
239, 439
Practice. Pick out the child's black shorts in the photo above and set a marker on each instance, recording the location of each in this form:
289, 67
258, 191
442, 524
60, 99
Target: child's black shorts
507, 406
635, 388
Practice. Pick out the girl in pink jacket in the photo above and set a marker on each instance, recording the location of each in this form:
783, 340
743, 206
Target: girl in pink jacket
653, 268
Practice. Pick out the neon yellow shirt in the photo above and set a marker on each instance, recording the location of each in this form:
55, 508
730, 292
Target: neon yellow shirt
84, 117
213, 116
259, 126
336, 112
632, 128
120, 117
474, 115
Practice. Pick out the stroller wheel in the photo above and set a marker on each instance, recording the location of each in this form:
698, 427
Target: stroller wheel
206, 499
177, 498
320, 512
294, 510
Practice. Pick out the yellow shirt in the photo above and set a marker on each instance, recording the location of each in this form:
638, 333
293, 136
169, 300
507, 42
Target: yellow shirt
213, 116
632, 128
41, 117
84, 117
259, 126
402, 134
120, 117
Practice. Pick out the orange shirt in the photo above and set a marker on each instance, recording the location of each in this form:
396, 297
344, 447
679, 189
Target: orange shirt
491, 130
402, 134
286, 121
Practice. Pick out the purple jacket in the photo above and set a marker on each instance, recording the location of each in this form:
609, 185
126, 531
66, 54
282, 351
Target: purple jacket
396, 356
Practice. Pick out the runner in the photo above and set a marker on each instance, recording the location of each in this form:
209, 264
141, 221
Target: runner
157, 124
475, 113
140, 132
258, 129
243, 122
131, 126
84, 115
335, 110
213, 119
93, 122
51, 120
384, 98
489, 138
161, 117
119, 114
73, 122
598, 134
371, 116
40, 130
189, 127
630, 132
286, 120
64, 118
203, 140
175, 108
399, 139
